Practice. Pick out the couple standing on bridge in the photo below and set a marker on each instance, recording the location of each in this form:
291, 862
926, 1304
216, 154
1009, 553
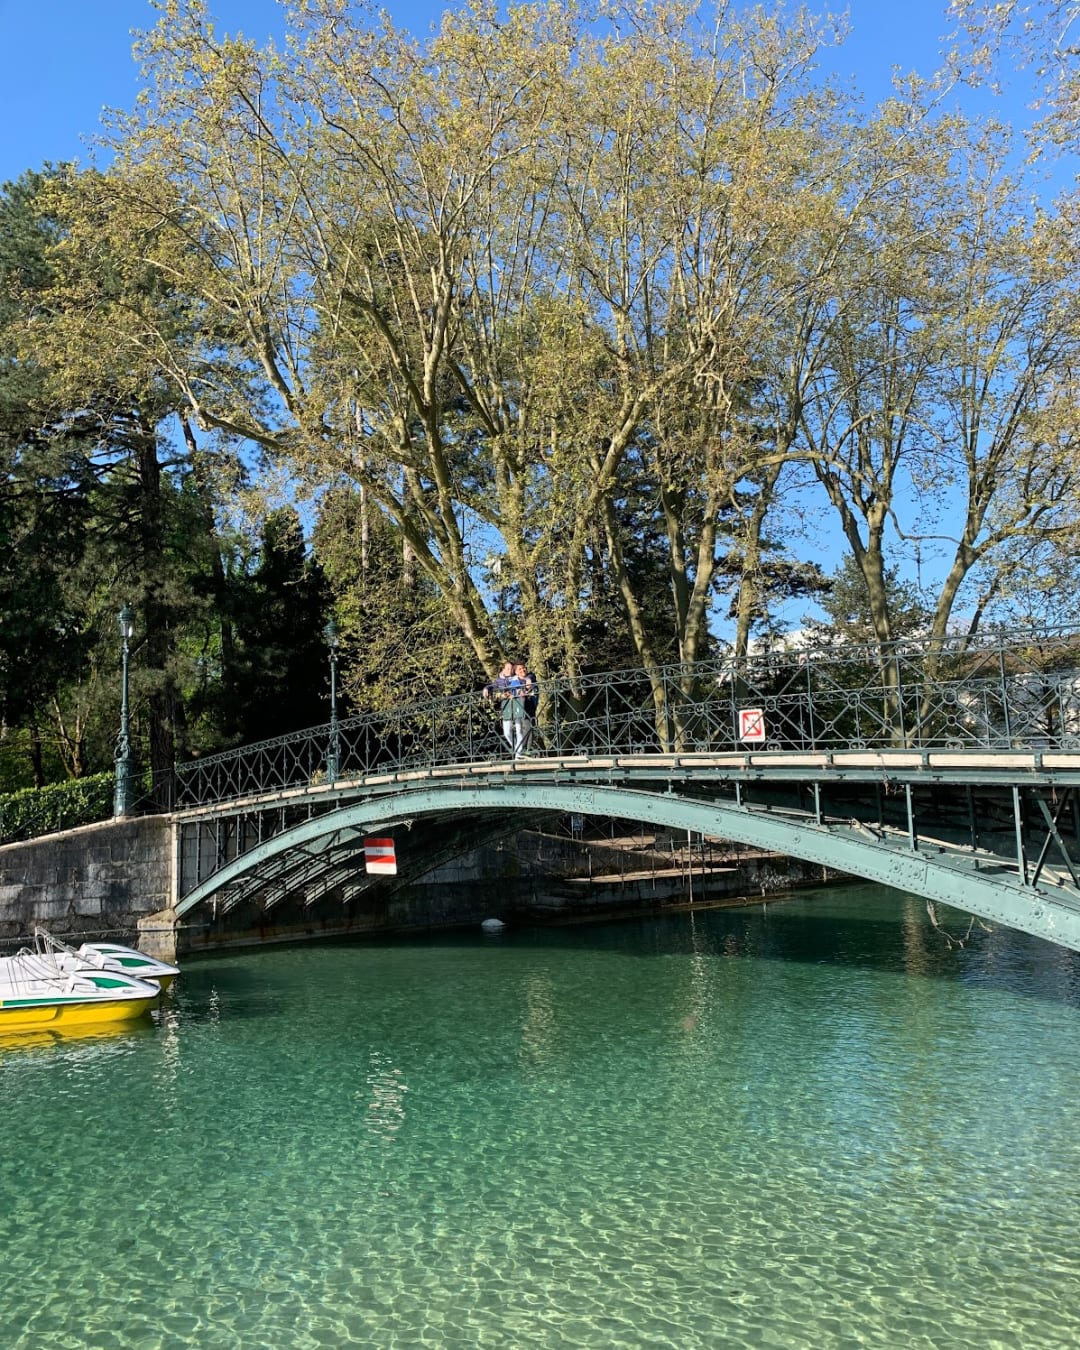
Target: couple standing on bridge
516, 690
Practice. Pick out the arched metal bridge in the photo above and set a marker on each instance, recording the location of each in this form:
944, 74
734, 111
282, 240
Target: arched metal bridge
948, 770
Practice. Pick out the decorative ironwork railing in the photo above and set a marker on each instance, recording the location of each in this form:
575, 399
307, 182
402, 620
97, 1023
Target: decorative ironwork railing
990, 694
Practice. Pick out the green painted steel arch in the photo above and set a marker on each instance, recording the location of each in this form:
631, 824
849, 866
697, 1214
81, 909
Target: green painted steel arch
998, 899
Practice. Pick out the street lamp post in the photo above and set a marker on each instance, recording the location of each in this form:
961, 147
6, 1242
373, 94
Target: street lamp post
122, 784
333, 749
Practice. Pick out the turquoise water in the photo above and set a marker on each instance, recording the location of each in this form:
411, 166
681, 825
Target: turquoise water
811, 1125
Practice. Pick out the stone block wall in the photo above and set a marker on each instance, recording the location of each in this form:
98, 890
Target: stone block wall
97, 879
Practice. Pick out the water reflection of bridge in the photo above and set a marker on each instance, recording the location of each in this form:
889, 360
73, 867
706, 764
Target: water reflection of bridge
950, 771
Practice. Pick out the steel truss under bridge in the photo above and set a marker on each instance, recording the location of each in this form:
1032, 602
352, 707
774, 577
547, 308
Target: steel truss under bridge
992, 832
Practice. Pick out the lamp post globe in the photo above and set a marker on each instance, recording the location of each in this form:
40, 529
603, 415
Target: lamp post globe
333, 748
122, 780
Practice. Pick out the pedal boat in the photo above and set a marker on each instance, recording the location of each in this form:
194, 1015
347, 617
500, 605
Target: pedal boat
35, 995
105, 956
128, 961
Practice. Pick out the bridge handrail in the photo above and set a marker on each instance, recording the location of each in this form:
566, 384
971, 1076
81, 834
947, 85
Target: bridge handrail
993, 693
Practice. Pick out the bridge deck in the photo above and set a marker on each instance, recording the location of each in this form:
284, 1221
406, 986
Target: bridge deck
974, 767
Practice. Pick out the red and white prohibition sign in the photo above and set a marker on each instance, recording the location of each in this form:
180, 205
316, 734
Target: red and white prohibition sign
751, 724
379, 856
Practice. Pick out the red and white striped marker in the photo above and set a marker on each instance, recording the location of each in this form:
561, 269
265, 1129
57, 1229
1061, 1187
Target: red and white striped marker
379, 856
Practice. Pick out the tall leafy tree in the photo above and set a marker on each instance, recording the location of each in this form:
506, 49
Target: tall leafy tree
45, 622
940, 406
479, 276
106, 414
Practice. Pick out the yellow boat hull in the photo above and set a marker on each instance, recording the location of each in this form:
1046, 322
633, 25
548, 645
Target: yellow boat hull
16, 1015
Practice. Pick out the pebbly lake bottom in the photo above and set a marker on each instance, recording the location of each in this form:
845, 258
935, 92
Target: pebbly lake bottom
810, 1124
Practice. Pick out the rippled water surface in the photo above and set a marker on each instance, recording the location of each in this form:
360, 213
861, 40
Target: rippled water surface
811, 1125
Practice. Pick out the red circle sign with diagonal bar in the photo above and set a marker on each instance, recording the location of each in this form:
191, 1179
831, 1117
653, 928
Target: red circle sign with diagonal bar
751, 724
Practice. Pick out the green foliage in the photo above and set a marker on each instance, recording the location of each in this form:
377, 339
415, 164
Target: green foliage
58, 806
399, 641
687, 293
276, 679
100, 502
43, 488
847, 604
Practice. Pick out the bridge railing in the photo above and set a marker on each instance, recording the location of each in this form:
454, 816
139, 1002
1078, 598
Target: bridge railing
992, 694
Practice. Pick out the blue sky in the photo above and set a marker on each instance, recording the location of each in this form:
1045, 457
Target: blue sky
64, 60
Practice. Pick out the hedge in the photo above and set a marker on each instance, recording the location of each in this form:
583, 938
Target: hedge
58, 806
